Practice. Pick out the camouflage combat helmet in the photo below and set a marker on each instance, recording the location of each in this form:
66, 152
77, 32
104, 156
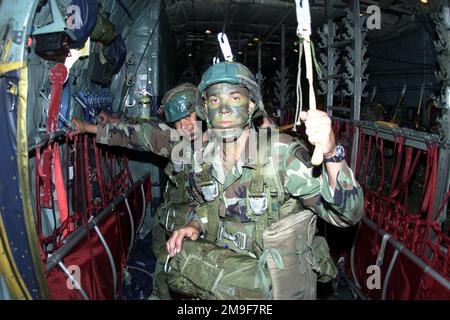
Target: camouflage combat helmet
179, 102
234, 73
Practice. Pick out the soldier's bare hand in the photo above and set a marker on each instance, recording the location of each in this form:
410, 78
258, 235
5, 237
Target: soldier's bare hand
79, 127
191, 231
319, 130
104, 118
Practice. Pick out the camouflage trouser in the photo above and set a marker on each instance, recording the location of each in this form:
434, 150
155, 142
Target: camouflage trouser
325, 266
207, 271
170, 216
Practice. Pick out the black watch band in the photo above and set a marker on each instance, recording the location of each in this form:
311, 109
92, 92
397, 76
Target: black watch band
338, 157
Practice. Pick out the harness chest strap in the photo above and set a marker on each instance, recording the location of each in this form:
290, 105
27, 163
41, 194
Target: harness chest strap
210, 210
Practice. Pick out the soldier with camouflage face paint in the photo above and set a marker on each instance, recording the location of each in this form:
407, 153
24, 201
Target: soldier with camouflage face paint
247, 193
179, 106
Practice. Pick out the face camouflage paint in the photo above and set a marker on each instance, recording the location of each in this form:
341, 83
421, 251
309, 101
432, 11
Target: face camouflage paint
227, 106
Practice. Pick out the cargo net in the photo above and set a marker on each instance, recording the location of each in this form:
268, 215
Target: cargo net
399, 184
74, 185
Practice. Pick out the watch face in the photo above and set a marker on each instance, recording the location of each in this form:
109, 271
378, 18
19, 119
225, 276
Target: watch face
340, 154
340, 151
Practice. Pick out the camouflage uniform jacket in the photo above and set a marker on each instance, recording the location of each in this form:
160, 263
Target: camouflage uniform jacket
159, 138
343, 208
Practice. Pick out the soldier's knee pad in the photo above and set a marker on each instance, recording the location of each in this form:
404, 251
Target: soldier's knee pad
215, 272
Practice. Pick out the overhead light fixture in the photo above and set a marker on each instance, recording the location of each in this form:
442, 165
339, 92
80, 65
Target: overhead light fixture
239, 52
274, 59
250, 44
208, 31
189, 54
424, 1
295, 50
256, 39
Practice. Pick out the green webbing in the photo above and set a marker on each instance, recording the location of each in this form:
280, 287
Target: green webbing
212, 207
260, 275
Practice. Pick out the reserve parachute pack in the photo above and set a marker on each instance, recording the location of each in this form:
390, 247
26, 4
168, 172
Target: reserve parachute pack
206, 271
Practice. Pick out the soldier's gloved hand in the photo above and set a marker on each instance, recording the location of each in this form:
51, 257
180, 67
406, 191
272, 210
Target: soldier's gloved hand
319, 130
192, 231
104, 118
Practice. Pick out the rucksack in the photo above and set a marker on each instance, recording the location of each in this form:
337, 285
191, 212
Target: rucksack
108, 61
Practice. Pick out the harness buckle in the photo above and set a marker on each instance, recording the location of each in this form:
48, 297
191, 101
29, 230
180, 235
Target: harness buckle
178, 166
210, 191
239, 238
168, 213
258, 203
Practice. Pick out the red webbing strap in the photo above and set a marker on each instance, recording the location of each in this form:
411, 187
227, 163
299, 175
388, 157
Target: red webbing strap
398, 147
408, 171
46, 177
61, 196
100, 176
371, 170
366, 161
111, 177
405, 188
75, 179
379, 143
58, 75
439, 260
38, 174
444, 202
88, 180
429, 185
67, 186
115, 174
352, 128
426, 182
337, 128
83, 182
361, 142
400, 215
346, 138
433, 180
399, 144
130, 176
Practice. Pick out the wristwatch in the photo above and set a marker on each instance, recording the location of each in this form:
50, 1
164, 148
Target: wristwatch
338, 157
